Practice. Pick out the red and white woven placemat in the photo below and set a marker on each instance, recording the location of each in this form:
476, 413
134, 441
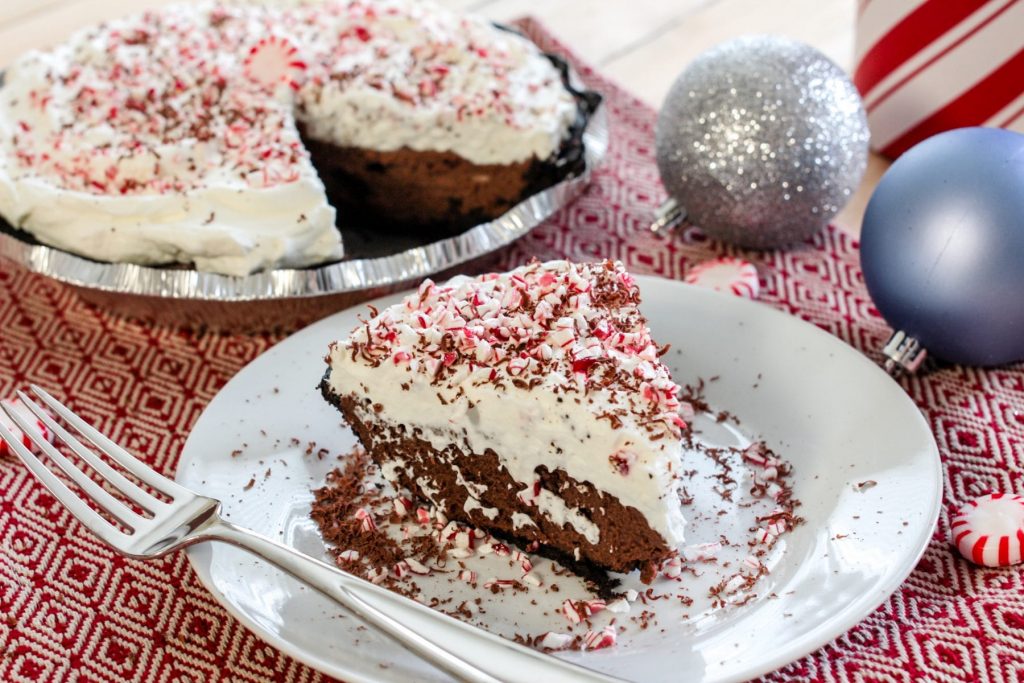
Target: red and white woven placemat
71, 610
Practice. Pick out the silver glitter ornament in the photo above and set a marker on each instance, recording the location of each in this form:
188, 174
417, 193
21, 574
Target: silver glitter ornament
762, 140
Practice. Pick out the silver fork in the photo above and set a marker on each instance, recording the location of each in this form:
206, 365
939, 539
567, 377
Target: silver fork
463, 651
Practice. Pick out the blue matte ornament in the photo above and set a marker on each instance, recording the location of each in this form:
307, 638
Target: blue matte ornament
942, 249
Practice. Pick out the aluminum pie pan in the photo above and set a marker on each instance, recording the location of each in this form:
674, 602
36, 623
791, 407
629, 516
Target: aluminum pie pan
358, 275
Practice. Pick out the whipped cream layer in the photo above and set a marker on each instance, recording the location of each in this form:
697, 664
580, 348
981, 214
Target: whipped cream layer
550, 364
148, 140
414, 75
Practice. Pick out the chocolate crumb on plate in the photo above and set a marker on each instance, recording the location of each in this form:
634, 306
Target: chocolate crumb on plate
741, 507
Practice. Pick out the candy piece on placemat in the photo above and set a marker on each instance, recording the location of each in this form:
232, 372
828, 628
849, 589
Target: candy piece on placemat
19, 407
727, 274
275, 60
990, 530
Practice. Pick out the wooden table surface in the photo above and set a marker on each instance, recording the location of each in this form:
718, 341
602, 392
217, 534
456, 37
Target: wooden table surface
643, 44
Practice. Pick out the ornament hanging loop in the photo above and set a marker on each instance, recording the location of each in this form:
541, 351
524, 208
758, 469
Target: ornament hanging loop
669, 215
903, 353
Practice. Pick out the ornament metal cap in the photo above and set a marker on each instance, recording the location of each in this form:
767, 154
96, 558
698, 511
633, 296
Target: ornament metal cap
903, 353
669, 215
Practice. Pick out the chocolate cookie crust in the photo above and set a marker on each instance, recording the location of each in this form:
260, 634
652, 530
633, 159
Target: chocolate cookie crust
626, 540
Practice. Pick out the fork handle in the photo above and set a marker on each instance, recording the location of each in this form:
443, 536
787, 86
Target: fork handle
464, 651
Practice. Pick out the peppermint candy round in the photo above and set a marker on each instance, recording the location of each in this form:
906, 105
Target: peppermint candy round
729, 275
19, 407
273, 61
990, 530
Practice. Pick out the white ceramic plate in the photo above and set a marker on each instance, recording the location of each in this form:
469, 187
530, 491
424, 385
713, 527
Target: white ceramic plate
824, 407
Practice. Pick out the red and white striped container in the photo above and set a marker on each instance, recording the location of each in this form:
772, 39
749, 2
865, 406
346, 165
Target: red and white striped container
925, 66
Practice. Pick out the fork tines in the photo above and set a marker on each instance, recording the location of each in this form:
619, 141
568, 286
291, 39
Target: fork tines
75, 503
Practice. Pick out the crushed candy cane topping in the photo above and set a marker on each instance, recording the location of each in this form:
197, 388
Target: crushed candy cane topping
159, 102
571, 329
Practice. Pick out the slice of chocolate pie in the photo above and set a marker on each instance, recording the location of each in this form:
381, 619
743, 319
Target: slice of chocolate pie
532, 404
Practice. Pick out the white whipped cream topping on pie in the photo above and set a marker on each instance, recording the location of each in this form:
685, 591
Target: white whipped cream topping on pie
432, 80
144, 140
589, 397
